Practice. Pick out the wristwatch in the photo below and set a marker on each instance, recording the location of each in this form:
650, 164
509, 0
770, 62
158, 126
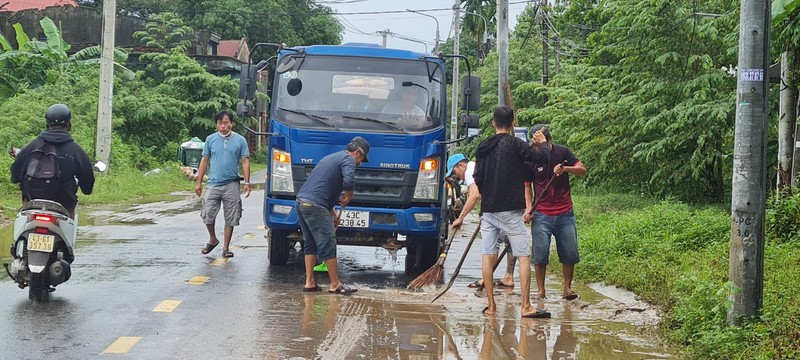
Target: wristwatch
247, 183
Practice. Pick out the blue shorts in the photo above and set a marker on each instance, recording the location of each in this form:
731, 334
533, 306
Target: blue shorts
316, 225
510, 223
563, 228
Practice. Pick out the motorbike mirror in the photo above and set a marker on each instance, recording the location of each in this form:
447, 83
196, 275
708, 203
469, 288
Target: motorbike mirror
99, 166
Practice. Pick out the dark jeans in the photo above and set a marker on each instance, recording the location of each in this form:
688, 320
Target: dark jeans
316, 224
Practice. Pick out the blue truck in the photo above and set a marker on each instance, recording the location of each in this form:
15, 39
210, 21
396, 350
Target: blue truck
324, 95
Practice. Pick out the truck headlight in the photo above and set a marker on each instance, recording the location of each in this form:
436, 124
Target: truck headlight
281, 172
427, 187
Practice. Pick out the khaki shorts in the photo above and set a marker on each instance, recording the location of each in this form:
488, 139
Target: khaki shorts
229, 197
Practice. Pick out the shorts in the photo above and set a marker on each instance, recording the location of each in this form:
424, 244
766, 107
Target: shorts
229, 196
563, 228
316, 225
510, 223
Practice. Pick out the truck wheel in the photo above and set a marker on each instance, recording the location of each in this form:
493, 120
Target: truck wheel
278, 247
421, 254
37, 289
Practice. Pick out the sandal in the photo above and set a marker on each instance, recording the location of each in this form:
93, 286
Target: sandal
475, 284
312, 289
342, 290
209, 247
227, 253
570, 295
500, 284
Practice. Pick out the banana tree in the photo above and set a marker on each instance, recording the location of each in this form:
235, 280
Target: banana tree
30, 64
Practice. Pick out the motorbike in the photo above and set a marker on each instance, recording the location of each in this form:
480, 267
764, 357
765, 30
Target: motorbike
43, 246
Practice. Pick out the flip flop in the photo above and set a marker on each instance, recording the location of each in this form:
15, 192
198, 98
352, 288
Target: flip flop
208, 248
227, 253
570, 295
499, 284
342, 290
475, 284
312, 289
539, 314
484, 312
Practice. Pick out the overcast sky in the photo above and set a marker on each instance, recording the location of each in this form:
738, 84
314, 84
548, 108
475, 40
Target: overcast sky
361, 27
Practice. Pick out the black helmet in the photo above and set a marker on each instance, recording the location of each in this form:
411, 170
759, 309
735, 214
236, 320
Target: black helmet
58, 114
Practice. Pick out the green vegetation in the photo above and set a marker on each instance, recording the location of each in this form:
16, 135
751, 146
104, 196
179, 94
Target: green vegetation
676, 256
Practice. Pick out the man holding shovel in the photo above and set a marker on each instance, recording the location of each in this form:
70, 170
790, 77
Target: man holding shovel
500, 175
553, 215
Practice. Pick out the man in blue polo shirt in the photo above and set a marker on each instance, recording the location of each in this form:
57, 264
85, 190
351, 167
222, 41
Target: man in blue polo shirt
224, 149
318, 221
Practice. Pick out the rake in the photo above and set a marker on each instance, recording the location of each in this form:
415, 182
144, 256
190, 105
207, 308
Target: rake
435, 274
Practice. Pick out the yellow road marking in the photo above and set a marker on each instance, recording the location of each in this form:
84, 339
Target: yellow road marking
234, 247
167, 306
198, 280
250, 236
220, 261
261, 227
122, 345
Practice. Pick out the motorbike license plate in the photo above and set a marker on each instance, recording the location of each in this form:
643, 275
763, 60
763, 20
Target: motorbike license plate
354, 219
41, 242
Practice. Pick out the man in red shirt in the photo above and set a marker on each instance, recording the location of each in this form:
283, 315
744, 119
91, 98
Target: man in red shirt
553, 216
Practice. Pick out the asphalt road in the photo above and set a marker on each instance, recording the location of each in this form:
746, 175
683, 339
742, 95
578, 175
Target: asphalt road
141, 289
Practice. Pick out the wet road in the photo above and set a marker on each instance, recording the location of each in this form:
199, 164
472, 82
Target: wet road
140, 289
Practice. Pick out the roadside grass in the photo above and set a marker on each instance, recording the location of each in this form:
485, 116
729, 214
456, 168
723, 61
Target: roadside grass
676, 256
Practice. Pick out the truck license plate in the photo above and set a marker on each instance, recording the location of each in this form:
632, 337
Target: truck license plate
354, 219
41, 242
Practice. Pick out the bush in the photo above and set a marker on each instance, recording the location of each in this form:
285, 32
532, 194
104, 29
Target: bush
783, 216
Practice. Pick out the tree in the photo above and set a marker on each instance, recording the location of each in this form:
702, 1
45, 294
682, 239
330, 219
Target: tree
165, 31
294, 22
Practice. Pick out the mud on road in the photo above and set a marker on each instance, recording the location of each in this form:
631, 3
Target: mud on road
131, 257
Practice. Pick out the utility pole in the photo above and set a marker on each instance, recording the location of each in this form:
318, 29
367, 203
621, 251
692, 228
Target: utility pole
502, 50
557, 41
456, 48
384, 33
786, 122
746, 269
103, 146
545, 45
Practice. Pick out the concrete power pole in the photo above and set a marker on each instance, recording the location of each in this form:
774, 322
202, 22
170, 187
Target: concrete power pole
545, 45
786, 122
502, 50
384, 33
103, 146
746, 269
456, 90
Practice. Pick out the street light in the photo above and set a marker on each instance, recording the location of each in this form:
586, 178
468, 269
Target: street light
485, 26
436, 45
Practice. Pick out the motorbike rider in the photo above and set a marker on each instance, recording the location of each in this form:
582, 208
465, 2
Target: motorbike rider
73, 163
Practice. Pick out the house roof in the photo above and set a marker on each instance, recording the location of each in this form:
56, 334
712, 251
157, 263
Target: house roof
19, 5
228, 48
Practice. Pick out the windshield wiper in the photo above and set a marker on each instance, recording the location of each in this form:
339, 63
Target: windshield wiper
317, 118
390, 125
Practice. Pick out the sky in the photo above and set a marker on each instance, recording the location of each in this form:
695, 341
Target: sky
361, 27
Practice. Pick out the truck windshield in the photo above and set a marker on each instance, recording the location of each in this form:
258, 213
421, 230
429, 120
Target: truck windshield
369, 94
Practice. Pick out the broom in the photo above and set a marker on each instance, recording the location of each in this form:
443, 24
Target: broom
460, 262
436, 272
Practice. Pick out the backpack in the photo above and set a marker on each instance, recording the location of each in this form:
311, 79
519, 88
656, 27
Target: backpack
41, 178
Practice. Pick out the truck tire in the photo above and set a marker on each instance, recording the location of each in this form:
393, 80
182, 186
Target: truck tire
278, 247
422, 253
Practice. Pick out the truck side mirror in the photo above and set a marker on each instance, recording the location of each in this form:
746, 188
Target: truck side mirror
471, 121
471, 93
248, 76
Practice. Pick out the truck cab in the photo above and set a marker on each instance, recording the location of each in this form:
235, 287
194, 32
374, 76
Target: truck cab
325, 95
